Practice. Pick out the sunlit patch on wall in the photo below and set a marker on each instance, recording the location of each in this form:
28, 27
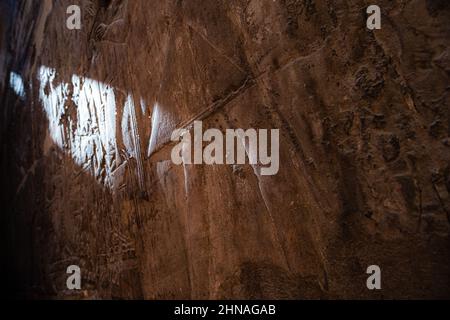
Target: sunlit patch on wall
16, 84
90, 137
155, 126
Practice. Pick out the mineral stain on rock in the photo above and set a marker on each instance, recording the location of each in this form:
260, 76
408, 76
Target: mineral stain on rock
87, 177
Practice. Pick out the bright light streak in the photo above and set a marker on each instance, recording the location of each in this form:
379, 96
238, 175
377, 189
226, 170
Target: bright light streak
90, 138
16, 83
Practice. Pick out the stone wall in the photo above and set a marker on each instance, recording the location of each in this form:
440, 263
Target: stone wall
364, 149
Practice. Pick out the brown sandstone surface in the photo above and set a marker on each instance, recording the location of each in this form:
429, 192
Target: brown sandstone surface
364, 125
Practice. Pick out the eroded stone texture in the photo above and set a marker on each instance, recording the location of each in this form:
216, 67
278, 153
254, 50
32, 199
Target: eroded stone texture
364, 152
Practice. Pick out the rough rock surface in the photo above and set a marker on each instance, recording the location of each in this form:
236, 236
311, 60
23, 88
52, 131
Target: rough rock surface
364, 155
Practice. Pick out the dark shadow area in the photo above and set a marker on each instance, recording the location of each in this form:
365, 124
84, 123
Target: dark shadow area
35, 255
